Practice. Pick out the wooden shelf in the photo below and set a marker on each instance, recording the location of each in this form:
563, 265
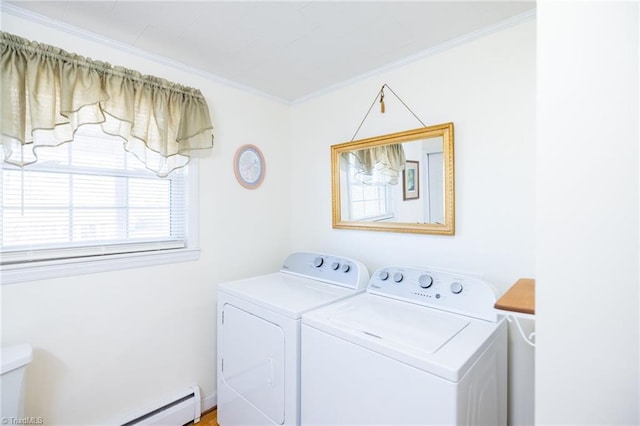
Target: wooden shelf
519, 298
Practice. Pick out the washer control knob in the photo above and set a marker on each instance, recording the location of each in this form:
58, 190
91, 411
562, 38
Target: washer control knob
335, 266
425, 281
346, 268
398, 277
318, 261
383, 275
456, 288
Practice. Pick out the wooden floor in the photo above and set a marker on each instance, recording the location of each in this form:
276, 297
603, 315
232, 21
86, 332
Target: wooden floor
209, 419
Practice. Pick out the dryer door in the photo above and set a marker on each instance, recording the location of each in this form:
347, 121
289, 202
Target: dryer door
253, 360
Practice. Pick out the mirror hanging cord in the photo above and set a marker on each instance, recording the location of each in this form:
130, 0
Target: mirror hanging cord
380, 95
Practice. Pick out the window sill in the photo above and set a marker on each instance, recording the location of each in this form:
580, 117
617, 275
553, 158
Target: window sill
33, 271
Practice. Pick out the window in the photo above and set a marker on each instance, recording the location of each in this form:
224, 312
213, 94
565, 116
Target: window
89, 201
370, 198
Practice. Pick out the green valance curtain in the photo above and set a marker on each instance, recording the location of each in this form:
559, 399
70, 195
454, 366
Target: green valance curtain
47, 94
388, 160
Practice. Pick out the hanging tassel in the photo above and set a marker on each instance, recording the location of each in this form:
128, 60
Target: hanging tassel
380, 95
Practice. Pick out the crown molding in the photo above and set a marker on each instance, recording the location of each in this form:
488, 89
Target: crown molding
450, 44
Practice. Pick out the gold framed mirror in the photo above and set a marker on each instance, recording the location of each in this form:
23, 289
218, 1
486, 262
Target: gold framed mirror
399, 182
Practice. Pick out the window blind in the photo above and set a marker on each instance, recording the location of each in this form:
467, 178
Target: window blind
89, 198
368, 200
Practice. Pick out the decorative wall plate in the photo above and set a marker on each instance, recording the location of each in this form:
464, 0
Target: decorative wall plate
249, 166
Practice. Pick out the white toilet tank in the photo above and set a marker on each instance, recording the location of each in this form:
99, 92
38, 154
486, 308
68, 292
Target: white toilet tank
14, 361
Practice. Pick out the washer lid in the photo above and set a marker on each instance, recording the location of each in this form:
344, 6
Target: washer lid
286, 294
413, 329
439, 342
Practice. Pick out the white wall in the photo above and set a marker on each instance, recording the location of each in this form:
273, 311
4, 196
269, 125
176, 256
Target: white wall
587, 214
109, 344
487, 87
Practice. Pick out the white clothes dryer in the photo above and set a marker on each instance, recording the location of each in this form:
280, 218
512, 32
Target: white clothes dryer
259, 335
420, 347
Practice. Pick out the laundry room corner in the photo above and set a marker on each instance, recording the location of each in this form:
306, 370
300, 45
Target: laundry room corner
487, 88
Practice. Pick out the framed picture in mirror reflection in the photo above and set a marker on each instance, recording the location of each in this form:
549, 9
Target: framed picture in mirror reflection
411, 180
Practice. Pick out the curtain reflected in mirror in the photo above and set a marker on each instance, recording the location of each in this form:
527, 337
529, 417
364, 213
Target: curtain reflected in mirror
401, 182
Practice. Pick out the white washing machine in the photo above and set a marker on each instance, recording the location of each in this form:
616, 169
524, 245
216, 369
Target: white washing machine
259, 335
420, 347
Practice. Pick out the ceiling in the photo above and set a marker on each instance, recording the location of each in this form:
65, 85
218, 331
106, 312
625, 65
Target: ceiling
288, 50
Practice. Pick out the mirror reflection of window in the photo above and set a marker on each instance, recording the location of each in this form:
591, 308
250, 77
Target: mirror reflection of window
368, 197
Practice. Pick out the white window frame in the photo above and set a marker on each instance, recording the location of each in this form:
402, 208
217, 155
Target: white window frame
376, 218
47, 269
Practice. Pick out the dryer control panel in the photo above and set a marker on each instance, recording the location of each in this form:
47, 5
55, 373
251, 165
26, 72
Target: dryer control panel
436, 288
337, 270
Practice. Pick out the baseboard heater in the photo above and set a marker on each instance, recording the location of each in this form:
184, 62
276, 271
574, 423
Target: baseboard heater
182, 408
